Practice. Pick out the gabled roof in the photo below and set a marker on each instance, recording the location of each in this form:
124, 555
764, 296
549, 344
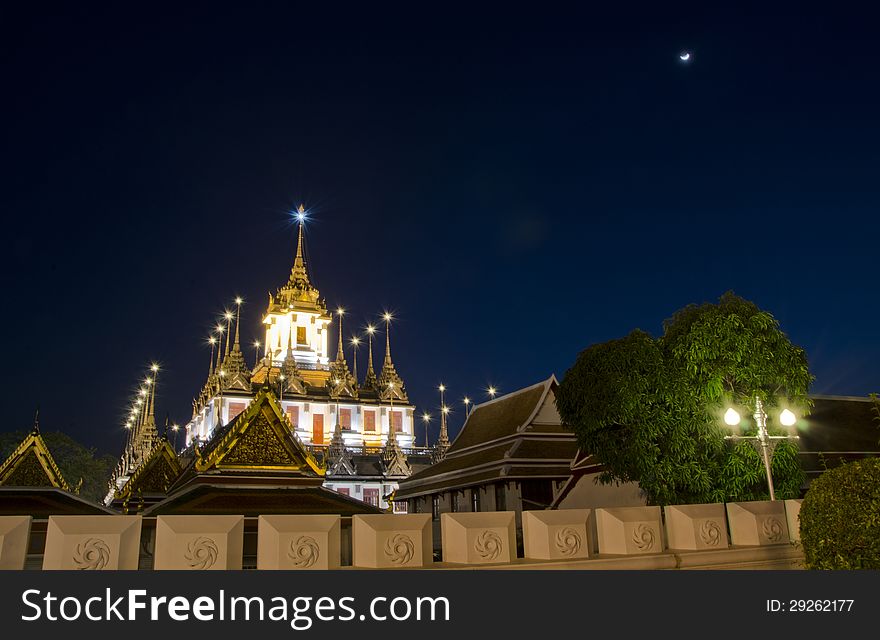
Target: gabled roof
258, 439
504, 416
31, 465
155, 475
519, 435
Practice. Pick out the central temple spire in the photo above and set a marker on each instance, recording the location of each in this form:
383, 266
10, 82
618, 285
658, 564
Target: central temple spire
299, 274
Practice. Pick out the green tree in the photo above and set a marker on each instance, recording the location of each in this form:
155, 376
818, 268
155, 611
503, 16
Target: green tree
651, 409
75, 461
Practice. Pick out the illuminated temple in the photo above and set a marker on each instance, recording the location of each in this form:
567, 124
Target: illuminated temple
299, 417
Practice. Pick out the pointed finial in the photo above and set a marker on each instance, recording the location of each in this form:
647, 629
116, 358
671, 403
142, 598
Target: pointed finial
387, 317
155, 369
340, 354
212, 340
228, 315
299, 273
238, 302
36, 428
219, 328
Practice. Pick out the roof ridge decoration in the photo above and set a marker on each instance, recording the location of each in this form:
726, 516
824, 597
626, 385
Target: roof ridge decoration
341, 381
339, 462
394, 459
390, 383
156, 474
259, 439
32, 465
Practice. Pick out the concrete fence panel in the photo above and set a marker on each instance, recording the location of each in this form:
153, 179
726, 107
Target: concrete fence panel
556, 535
15, 533
478, 538
696, 527
757, 523
629, 530
92, 542
199, 542
392, 541
298, 542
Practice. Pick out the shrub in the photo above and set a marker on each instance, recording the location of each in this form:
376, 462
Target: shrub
840, 518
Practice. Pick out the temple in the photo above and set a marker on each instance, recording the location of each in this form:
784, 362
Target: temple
359, 434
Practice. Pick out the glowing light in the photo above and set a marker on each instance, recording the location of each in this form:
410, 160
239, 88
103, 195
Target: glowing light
148, 381
143, 392
340, 311
155, 368
281, 377
492, 391
228, 315
445, 409
222, 373
257, 344
371, 329
220, 328
731, 417
212, 340
355, 341
387, 316
685, 56
390, 385
442, 387
426, 417
139, 402
238, 300
466, 401
175, 427
787, 418
335, 380
301, 214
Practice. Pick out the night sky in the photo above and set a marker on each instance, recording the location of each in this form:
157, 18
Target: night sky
514, 186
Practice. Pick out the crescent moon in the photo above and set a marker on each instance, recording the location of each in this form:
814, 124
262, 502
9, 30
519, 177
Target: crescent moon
685, 56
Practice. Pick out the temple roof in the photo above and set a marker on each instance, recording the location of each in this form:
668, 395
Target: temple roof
31, 465
519, 435
155, 475
258, 440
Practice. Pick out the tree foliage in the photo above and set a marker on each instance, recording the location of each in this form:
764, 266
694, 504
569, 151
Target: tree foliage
840, 518
75, 461
651, 409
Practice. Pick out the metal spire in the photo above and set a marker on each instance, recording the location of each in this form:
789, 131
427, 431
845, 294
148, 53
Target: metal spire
299, 273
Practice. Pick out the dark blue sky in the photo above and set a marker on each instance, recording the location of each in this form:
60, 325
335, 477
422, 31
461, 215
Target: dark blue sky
516, 186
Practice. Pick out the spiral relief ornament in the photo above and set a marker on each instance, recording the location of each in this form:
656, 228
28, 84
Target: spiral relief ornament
772, 529
399, 549
568, 541
201, 553
304, 552
488, 545
710, 533
92, 554
643, 537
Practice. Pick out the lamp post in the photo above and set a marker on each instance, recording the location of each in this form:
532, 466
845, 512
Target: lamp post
175, 428
763, 442
467, 406
256, 353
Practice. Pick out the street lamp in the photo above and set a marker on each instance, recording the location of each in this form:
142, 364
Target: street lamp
763, 442
467, 406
